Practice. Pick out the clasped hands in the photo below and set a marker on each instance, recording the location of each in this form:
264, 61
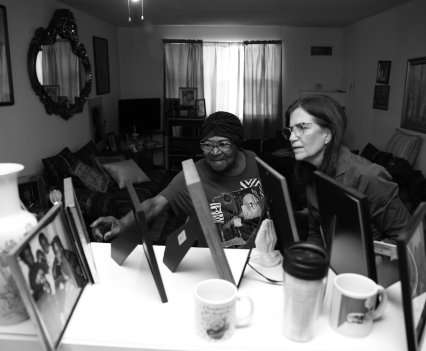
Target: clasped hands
106, 228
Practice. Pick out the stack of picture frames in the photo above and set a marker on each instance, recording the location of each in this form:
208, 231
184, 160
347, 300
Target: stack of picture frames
382, 88
52, 266
187, 105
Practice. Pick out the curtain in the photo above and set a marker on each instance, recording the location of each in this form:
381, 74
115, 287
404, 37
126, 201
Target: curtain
183, 65
223, 77
262, 89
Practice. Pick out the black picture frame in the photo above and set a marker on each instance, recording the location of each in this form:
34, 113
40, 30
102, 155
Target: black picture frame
383, 72
7, 96
112, 142
32, 192
412, 265
413, 114
172, 108
381, 97
50, 294
187, 97
100, 51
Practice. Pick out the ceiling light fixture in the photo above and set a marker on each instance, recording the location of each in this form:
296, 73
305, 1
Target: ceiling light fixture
128, 7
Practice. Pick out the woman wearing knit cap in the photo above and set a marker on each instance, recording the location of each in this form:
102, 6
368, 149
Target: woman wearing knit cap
230, 179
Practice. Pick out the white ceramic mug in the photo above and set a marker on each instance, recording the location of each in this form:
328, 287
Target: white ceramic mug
215, 309
356, 302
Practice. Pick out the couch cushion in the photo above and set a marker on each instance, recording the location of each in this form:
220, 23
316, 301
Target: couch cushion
59, 166
126, 171
404, 145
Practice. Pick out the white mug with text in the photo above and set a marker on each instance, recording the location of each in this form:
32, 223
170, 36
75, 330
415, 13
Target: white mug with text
216, 315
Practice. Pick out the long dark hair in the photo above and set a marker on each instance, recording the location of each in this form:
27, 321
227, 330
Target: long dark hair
328, 114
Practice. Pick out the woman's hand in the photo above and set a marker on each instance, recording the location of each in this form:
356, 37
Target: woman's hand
106, 228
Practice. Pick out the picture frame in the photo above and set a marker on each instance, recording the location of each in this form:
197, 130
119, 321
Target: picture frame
201, 107
413, 113
49, 275
381, 97
172, 108
383, 72
6, 84
187, 97
79, 231
32, 192
111, 141
100, 51
52, 91
412, 265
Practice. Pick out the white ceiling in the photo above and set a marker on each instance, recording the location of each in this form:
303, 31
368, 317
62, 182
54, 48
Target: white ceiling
318, 13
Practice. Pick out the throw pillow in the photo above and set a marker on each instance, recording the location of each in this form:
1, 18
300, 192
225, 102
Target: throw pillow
92, 178
404, 145
126, 171
369, 151
58, 167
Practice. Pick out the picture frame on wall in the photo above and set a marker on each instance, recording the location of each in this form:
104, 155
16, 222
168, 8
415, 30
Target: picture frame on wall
187, 97
413, 111
201, 107
383, 72
32, 192
47, 270
381, 97
100, 51
6, 85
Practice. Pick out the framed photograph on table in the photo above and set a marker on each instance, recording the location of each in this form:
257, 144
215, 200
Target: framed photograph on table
111, 141
172, 108
413, 108
48, 273
187, 97
412, 267
32, 193
6, 86
100, 50
381, 97
201, 107
383, 72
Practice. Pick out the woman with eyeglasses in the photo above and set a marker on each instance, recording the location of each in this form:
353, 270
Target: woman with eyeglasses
316, 125
230, 180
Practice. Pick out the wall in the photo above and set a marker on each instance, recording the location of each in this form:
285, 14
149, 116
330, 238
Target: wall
396, 35
141, 55
27, 132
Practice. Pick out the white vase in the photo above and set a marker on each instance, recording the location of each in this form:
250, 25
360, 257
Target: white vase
14, 223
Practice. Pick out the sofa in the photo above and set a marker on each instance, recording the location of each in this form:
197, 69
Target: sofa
99, 178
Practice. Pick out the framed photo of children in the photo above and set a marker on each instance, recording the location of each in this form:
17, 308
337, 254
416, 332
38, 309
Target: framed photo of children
413, 108
201, 107
49, 275
33, 194
383, 72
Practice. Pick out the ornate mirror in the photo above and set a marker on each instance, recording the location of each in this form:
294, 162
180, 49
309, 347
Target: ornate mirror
59, 67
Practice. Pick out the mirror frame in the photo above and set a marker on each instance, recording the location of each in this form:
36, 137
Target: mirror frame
63, 24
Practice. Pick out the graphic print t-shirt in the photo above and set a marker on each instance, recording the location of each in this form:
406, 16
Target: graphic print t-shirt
236, 202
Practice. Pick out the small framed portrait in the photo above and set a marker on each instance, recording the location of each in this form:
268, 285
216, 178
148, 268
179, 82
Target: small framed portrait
172, 108
49, 275
381, 97
383, 72
201, 107
52, 91
187, 97
112, 143
79, 231
33, 194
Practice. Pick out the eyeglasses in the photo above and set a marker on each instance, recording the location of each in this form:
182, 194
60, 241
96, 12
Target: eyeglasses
222, 145
298, 130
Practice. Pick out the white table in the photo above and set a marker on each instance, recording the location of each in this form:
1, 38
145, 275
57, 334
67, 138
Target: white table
124, 312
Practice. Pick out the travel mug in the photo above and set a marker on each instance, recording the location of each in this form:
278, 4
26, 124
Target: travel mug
305, 275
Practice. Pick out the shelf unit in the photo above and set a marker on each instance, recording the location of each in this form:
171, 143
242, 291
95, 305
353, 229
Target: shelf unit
183, 141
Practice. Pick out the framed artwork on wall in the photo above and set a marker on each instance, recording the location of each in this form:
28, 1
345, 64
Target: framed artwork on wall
100, 50
381, 97
414, 104
383, 72
6, 87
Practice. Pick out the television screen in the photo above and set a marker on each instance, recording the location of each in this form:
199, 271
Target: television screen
139, 115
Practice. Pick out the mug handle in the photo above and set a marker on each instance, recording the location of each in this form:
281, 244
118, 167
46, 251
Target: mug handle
243, 321
383, 300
